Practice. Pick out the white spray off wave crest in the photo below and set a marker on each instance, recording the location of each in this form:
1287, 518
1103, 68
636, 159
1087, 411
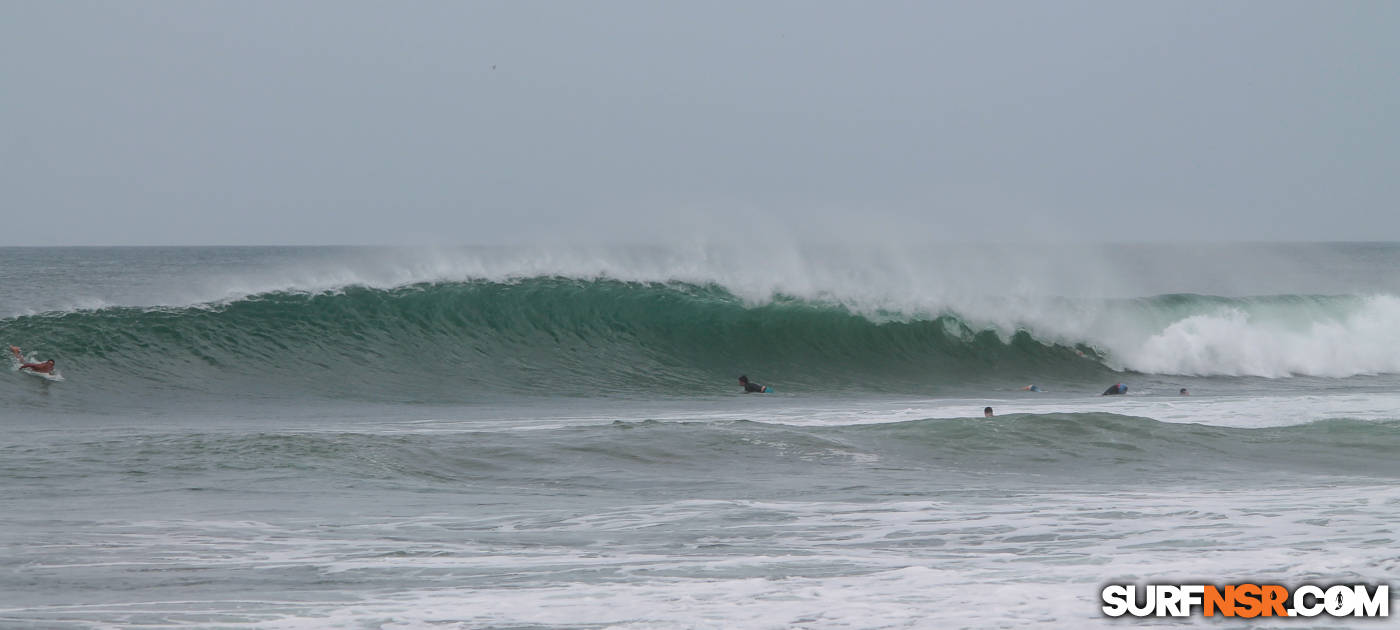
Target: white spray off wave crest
1103, 297
1232, 342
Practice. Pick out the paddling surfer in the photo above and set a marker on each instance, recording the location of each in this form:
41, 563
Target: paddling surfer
45, 367
751, 387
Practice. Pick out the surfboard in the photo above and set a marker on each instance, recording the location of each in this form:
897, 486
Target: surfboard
55, 377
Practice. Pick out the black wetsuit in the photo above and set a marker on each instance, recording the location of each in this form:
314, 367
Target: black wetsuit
1115, 389
753, 388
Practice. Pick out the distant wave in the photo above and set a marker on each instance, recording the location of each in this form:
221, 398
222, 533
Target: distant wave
1051, 448
452, 341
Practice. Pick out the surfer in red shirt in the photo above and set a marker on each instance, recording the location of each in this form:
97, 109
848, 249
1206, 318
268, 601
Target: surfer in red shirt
42, 368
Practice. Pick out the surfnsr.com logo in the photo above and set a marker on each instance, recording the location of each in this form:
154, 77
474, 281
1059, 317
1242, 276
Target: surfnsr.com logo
1246, 600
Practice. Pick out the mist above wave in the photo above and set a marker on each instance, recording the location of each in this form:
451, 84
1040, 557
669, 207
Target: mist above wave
1144, 308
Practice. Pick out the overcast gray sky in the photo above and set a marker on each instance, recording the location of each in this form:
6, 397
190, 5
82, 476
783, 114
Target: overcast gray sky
480, 122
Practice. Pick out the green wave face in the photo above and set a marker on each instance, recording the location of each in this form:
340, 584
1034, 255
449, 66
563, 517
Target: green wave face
451, 342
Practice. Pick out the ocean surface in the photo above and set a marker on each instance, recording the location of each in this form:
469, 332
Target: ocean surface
553, 437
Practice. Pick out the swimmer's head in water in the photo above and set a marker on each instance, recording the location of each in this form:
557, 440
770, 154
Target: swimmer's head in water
743, 379
987, 412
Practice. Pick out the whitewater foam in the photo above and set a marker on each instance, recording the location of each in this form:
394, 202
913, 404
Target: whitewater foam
967, 560
1232, 341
